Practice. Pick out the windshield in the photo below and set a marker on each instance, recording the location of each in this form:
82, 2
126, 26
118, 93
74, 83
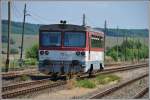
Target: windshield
51, 39
74, 39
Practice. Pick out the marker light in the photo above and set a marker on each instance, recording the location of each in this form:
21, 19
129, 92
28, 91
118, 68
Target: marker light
46, 52
77, 53
83, 53
41, 52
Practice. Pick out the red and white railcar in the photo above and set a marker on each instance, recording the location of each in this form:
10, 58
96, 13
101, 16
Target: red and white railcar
65, 48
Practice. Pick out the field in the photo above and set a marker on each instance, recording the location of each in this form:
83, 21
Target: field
29, 40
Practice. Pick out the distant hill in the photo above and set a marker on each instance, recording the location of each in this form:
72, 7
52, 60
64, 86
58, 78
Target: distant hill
128, 32
16, 27
34, 28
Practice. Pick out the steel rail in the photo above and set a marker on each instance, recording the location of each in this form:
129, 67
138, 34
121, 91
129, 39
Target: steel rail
112, 70
116, 87
20, 85
141, 93
30, 89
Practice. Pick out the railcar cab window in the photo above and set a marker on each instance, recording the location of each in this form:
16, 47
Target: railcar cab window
74, 39
50, 38
96, 41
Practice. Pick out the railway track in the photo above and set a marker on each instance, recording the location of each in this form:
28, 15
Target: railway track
117, 87
13, 74
141, 93
117, 69
20, 85
28, 87
6, 75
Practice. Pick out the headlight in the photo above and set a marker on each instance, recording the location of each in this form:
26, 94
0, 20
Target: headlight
78, 53
83, 53
46, 52
41, 52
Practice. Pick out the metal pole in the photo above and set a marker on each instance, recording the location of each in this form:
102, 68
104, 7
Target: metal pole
9, 30
138, 49
123, 47
126, 48
23, 34
84, 24
144, 46
133, 48
117, 42
105, 33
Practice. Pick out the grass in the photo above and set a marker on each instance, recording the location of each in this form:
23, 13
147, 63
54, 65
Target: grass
14, 64
29, 40
85, 84
99, 80
24, 78
105, 79
30, 61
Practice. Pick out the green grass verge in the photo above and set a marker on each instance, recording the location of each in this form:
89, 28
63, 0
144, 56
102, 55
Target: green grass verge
24, 78
85, 83
99, 80
105, 79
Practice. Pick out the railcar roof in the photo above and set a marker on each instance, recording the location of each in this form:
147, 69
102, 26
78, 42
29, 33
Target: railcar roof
69, 27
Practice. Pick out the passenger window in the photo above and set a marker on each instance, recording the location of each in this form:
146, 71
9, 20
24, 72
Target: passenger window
96, 41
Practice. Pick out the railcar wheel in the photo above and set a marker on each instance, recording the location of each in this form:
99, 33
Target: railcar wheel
54, 76
90, 70
101, 67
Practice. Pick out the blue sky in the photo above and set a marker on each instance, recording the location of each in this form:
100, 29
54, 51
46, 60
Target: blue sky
127, 14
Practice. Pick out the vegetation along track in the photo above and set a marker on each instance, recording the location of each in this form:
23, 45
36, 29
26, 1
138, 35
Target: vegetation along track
116, 87
28, 87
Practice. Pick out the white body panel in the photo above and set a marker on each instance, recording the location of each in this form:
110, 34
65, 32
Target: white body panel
71, 55
95, 58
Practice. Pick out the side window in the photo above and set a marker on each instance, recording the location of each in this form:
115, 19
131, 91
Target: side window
96, 41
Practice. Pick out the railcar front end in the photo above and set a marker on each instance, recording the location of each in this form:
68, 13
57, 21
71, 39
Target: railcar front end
67, 48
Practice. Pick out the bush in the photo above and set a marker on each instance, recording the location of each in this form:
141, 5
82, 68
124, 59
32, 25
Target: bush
32, 52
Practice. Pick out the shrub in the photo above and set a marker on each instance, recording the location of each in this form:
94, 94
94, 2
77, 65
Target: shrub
32, 52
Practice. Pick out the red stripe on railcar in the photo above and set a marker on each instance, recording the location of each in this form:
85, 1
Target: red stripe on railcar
71, 49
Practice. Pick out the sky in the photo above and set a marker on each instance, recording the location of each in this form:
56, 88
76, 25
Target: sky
124, 14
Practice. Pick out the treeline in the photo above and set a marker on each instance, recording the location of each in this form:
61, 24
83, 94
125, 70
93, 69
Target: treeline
16, 28
129, 50
126, 32
34, 29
